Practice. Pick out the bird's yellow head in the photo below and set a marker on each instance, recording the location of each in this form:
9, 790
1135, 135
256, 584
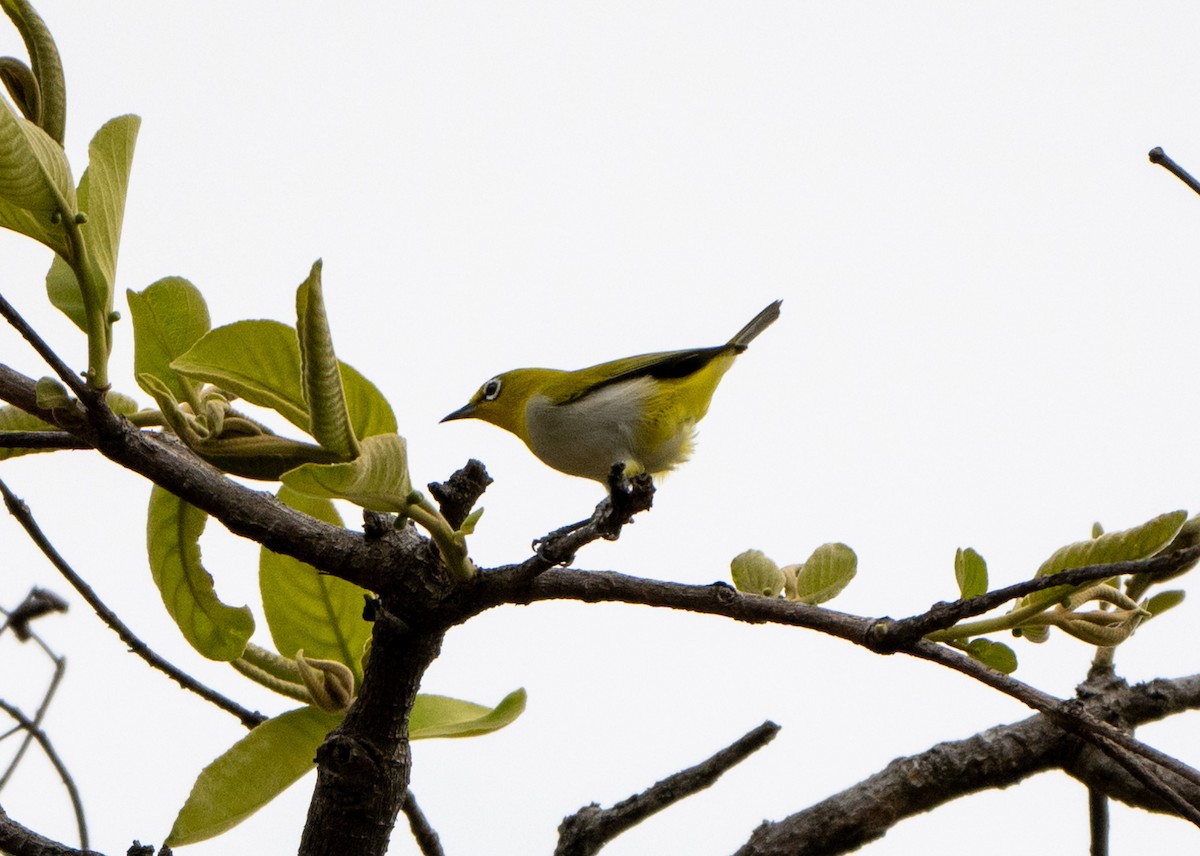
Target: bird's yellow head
503, 399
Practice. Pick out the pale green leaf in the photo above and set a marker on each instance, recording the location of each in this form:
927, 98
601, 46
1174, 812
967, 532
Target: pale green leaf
377, 480
321, 382
828, 570
1163, 601
1128, 545
168, 317
970, 570
34, 173
439, 716
753, 572
101, 196
173, 530
105, 181
251, 773
997, 655
319, 613
260, 362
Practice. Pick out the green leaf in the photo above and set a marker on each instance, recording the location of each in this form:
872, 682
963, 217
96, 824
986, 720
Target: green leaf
321, 380
35, 182
1163, 601
34, 173
260, 362
997, 655
169, 316
970, 570
105, 183
753, 572
307, 610
828, 570
15, 419
173, 530
1128, 545
251, 773
439, 716
280, 751
377, 480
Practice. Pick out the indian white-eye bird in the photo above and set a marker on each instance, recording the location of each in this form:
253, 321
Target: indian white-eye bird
639, 411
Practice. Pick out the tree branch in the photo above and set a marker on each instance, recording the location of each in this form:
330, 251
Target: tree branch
1159, 157
995, 758
589, 829
32, 728
19, 510
422, 830
17, 840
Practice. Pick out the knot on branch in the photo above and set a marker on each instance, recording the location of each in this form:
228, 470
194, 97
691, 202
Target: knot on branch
458, 494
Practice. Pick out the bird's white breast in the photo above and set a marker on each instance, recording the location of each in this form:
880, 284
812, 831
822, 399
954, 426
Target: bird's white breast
586, 437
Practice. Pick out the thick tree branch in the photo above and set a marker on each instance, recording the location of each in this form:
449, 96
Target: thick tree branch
589, 829
17, 840
995, 758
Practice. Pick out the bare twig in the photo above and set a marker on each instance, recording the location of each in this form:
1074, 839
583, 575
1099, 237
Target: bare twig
590, 828
19, 510
69, 377
21, 628
1158, 156
422, 831
40, 736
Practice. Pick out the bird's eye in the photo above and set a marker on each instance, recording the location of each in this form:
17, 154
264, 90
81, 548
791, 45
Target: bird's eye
491, 389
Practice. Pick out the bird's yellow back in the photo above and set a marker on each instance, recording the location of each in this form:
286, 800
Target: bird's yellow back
640, 411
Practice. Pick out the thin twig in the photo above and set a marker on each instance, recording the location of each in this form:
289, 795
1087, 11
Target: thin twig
19, 510
40, 736
1158, 156
56, 678
41, 440
69, 377
892, 635
589, 829
422, 831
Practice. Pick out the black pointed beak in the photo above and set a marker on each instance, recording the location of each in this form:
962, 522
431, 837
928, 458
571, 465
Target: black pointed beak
464, 412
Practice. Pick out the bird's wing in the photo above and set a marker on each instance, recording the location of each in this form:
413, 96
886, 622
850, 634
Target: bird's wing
665, 365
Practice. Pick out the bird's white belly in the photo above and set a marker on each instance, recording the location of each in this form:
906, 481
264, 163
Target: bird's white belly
586, 437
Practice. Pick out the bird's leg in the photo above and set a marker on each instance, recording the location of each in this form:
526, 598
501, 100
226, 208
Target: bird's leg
626, 497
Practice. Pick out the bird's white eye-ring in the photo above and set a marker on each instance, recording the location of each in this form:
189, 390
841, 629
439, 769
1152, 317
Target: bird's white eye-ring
491, 389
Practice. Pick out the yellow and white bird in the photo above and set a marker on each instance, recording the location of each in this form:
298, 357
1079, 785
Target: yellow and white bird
639, 411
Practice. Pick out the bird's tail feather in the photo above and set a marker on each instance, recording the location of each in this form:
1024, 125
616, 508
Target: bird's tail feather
760, 322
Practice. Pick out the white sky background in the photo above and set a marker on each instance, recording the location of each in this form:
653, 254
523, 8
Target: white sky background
988, 334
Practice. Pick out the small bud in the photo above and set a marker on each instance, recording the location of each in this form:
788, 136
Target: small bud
80, 218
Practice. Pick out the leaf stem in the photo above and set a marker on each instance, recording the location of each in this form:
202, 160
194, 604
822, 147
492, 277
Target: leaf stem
449, 542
